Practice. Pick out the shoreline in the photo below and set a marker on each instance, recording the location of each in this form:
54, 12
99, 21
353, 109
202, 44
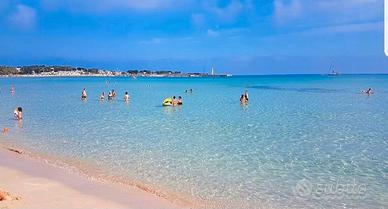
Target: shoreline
36, 184
113, 76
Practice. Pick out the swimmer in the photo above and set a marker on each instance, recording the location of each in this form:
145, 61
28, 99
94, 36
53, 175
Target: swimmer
369, 91
113, 93
83, 94
174, 101
180, 102
126, 96
12, 89
18, 113
102, 97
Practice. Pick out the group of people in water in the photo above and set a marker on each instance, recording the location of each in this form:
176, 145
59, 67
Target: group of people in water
111, 95
174, 101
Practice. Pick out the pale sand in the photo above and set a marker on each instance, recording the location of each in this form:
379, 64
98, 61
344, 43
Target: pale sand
40, 185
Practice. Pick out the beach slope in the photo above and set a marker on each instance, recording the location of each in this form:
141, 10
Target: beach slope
31, 183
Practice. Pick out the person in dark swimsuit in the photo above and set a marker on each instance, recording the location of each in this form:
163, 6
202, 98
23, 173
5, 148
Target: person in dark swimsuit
180, 102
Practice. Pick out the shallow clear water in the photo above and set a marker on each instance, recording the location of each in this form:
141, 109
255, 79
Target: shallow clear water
305, 141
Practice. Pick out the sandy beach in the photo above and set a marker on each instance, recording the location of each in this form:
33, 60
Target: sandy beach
31, 183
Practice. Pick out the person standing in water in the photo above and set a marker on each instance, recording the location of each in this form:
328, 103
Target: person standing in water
84, 95
102, 97
243, 99
110, 95
18, 113
180, 102
174, 101
126, 96
246, 95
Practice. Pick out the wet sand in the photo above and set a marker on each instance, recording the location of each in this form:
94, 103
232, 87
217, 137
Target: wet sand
31, 183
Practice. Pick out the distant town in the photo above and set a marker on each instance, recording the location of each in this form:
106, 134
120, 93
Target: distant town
67, 71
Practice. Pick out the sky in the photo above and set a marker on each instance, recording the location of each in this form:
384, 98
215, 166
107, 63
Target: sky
233, 36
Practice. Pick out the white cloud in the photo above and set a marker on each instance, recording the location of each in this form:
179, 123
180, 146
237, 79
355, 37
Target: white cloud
109, 5
287, 11
347, 28
23, 17
327, 10
228, 12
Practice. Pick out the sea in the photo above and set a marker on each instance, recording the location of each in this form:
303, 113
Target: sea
302, 141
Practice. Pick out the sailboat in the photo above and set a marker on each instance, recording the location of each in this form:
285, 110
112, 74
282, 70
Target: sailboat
332, 71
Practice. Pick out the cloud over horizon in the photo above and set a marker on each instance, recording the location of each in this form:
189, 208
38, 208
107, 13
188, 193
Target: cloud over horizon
112, 5
119, 31
23, 17
331, 11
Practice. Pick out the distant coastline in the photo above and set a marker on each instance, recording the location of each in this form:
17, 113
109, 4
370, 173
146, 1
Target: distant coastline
68, 71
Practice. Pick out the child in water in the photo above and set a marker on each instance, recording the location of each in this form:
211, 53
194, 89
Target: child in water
102, 97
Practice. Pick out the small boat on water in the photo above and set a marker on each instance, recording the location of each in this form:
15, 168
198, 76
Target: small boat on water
332, 71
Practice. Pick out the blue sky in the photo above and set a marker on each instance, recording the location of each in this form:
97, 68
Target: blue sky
233, 36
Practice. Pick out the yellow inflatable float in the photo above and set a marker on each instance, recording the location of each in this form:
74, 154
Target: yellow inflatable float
167, 102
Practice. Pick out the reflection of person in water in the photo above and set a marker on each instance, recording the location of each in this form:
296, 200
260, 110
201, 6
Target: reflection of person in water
12, 89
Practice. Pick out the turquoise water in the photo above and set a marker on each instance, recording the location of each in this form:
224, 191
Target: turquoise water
298, 144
